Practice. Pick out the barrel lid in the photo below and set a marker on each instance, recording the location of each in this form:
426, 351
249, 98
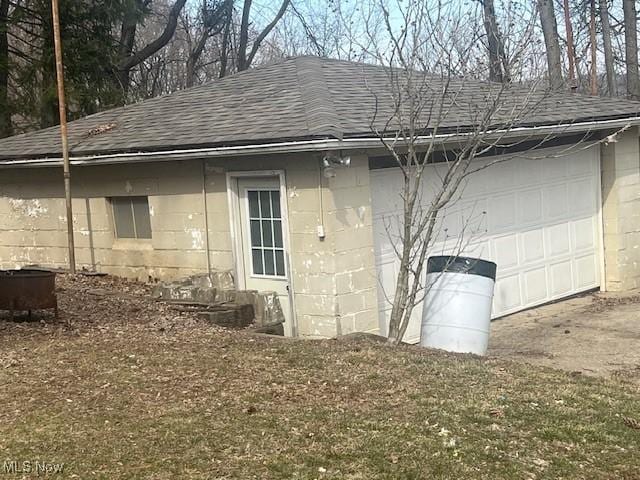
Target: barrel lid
453, 264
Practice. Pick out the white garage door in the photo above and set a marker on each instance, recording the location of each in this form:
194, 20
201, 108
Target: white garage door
538, 219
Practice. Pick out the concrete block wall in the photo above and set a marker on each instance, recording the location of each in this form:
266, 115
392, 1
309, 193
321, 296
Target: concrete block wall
351, 222
621, 211
333, 278
33, 219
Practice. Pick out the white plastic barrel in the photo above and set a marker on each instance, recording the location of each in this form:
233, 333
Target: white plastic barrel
457, 305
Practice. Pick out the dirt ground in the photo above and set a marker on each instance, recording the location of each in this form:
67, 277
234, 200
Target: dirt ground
103, 304
122, 386
596, 334
593, 334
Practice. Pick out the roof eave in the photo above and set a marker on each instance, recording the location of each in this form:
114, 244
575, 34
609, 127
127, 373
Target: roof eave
331, 144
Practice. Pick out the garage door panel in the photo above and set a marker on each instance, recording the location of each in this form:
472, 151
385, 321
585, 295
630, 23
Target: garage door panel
387, 274
530, 207
529, 173
502, 212
450, 222
581, 196
532, 246
535, 285
583, 236
558, 240
553, 169
555, 201
505, 251
478, 250
500, 174
586, 271
475, 187
506, 295
561, 279
583, 164
474, 218
537, 219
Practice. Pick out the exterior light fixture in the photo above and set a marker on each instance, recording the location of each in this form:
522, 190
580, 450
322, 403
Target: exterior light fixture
330, 162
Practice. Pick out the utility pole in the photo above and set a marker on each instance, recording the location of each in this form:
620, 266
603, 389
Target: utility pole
63, 132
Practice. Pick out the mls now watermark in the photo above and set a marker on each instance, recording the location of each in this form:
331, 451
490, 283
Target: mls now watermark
33, 467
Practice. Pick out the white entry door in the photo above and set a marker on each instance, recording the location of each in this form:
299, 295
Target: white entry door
538, 219
262, 228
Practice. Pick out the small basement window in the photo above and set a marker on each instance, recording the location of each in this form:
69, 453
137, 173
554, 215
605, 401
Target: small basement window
131, 217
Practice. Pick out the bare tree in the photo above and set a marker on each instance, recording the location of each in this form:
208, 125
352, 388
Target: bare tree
428, 95
552, 43
608, 48
594, 48
128, 58
215, 17
5, 114
571, 53
498, 62
246, 55
631, 48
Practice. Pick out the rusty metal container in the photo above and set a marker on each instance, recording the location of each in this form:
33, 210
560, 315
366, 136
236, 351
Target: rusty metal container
26, 290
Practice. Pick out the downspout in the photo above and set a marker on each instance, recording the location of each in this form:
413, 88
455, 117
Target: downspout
206, 215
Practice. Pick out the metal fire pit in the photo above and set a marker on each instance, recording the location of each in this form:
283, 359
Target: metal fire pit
26, 290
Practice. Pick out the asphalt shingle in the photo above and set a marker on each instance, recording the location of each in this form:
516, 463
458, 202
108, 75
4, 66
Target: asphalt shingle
297, 99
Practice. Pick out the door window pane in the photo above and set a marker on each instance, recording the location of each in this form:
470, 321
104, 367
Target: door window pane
280, 262
255, 233
265, 225
277, 233
256, 254
265, 204
267, 240
269, 265
275, 203
254, 210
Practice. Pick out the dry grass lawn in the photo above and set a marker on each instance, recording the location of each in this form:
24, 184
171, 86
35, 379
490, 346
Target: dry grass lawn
147, 394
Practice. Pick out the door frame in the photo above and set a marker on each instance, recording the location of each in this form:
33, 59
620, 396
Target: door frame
233, 198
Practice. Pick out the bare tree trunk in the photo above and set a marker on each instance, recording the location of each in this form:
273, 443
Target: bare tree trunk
226, 39
5, 114
244, 55
550, 31
608, 49
192, 60
497, 60
243, 41
129, 59
214, 22
127, 42
571, 53
631, 48
593, 40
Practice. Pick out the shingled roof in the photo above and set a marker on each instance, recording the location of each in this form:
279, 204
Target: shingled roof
302, 98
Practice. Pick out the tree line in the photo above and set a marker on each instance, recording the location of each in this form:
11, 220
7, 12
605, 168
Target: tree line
117, 52
122, 51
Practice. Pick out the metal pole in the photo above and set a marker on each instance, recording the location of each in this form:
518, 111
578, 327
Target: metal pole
63, 132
